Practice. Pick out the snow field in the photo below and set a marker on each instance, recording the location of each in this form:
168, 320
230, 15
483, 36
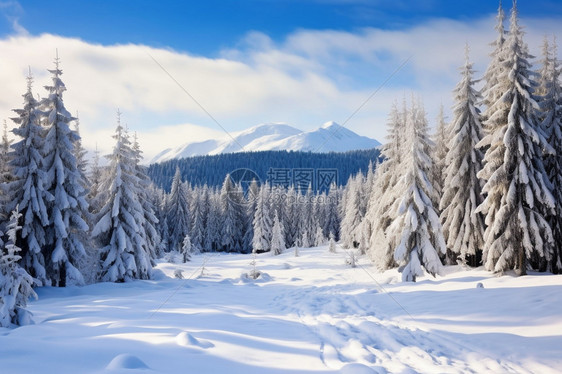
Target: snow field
310, 313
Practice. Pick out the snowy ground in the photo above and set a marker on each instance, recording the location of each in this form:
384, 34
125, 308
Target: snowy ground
308, 314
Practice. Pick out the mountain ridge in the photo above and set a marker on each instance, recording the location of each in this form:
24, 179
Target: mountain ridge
330, 137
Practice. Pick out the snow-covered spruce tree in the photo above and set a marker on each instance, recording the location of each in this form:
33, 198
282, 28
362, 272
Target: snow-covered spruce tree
332, 223
351, 222
516, 183
232, 210
6, 176
551, 113
250, 206
16, 285
212, 230
492, 92
439, 156
384, 191
149, 222
122, 252
262, 224
178, 213
332, 243
80, 154
277, 237
463, 228
67, 230
291, 222
416, 230
198, 213
186, 249
27, 190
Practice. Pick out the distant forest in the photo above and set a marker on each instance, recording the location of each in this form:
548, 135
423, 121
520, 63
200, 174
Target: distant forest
211, 170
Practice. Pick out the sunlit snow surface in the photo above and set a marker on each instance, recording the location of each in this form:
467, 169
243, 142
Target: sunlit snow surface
307, 314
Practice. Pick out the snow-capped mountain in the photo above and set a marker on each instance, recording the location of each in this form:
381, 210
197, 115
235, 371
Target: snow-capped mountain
331, 137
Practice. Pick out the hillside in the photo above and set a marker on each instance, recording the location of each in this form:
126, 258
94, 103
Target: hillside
211, 170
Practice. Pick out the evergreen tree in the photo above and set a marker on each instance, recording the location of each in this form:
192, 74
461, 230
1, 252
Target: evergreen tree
148, 222
16, 285
27, 190
463, 228
384, 192
232, 210
122, 254
439, 156
6, 176
67, 230
186, 249
80, 154
198, 219
277, 237
491, 91
262, 222
332, 243
332, 224
551, 110
251, 204
178, 213
516, 183
351, 222
212, 230
416, 230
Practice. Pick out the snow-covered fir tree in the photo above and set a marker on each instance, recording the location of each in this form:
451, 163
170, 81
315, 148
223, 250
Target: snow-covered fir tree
198, 213
351, 222
250, 208
6, 176
332, 222
439, 156
232, 210
186, 249
516, 184
463, 228
212, 230
277, 237
551, 115
384, 192
178, 213
148, 222
491, 92
27, 190
80, 154
332, 243
262, 225
68, 229
416, 230
16, 285
319, 238
122, 251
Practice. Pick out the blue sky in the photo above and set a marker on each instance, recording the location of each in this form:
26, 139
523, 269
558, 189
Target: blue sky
249, 61
206, 27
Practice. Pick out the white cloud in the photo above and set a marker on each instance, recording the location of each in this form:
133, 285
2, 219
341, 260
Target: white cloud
307, 79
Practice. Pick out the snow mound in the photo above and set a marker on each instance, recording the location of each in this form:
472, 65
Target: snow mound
126, 361
360, 369
261, 277
185, 339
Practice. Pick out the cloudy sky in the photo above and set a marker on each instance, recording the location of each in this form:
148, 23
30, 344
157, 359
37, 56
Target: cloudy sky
301, 62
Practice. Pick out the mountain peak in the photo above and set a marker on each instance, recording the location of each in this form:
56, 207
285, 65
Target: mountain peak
330, 124
275, 137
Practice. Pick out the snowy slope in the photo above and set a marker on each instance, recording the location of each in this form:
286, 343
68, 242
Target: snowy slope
274, 136
306, 314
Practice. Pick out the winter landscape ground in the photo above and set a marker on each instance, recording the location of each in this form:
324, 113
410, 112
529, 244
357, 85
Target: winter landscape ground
311, 313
